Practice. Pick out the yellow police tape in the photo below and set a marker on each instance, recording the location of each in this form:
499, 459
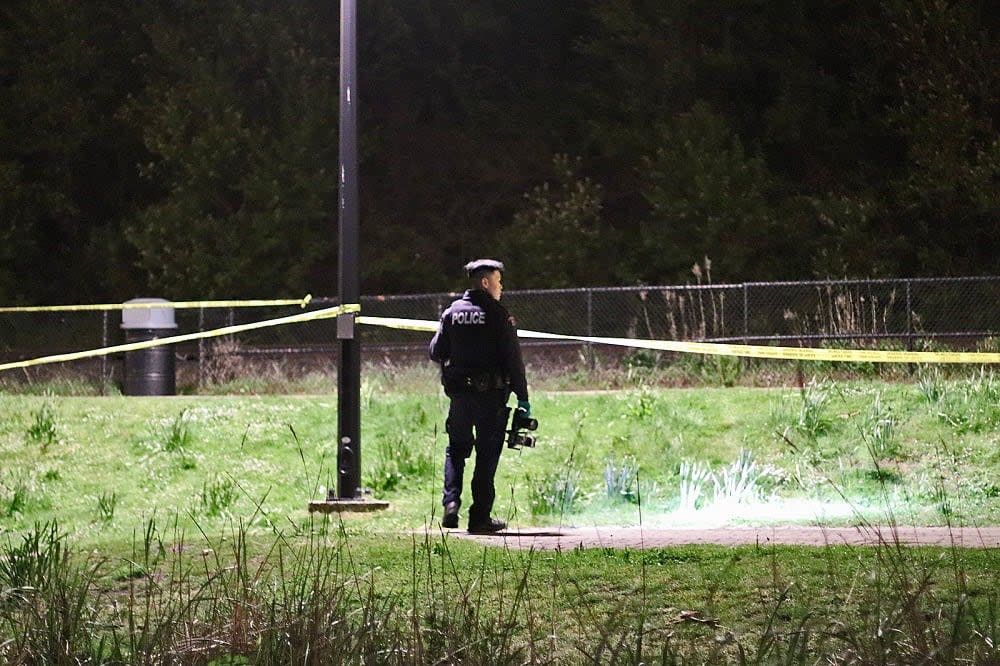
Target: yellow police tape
711, 348
177, 305
146, 344
749, 351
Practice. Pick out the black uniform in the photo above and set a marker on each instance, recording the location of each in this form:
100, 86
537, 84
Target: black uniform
476, 343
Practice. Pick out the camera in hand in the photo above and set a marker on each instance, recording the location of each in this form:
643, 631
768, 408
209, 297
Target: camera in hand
520, 425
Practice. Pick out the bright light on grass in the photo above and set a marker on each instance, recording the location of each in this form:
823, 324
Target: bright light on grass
772, 511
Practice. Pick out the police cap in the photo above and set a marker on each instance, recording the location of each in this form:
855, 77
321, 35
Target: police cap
483, 264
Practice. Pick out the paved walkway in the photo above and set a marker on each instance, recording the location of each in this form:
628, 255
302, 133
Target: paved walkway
566, 538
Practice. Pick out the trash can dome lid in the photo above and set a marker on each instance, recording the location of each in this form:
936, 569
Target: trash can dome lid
150, 316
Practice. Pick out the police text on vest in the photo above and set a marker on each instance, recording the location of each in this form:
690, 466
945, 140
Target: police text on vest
468, 318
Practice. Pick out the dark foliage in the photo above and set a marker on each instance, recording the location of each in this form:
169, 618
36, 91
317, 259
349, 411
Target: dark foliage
188, 148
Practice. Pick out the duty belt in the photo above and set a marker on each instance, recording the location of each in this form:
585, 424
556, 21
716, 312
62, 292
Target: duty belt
458, 380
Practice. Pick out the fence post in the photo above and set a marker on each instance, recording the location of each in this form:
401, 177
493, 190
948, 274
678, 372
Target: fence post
104, 357
745, 362
201, 347
746, 313
590, 312
909, 324
591, 361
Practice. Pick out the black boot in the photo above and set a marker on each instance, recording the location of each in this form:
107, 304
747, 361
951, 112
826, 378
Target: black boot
450, 519
488, 526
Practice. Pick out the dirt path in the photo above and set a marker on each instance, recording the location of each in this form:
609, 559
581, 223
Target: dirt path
566, 538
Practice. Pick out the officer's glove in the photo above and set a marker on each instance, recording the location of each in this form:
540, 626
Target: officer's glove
524, 406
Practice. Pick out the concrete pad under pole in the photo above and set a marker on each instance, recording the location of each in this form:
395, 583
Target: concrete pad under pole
354, 505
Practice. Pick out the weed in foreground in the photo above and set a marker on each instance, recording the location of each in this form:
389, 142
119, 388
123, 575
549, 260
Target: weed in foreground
309, 597
47, 603
30, 561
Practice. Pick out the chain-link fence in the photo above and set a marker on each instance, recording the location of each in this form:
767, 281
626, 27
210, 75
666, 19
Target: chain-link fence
957, 313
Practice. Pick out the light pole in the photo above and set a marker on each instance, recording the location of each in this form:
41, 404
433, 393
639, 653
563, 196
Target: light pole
348, 495
349, 360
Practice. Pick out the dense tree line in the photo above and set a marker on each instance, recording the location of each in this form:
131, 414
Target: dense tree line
188, 148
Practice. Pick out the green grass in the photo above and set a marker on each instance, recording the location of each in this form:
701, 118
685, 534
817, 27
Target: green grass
836, 451
144, 530
332, 593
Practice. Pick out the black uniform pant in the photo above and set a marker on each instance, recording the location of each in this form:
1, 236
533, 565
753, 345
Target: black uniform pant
475, 421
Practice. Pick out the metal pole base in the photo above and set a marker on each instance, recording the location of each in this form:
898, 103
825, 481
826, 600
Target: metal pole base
347, 505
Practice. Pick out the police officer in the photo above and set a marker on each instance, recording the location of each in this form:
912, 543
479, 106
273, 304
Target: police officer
477, 347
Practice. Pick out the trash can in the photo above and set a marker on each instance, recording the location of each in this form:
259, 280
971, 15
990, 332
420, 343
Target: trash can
149, 371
